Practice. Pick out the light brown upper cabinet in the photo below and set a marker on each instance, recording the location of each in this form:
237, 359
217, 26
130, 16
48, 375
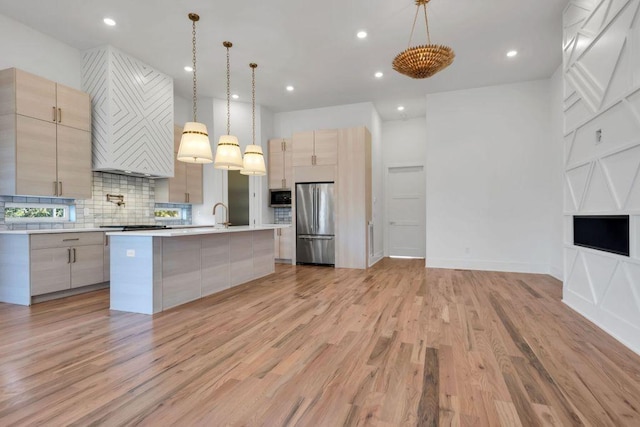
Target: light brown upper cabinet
315, 148
45, 137
186, 184
280, 164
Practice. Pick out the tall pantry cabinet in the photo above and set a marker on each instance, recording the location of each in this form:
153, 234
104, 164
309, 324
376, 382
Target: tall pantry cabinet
45, 137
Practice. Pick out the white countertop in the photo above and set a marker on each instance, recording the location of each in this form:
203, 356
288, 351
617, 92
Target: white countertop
192, 231
54, 231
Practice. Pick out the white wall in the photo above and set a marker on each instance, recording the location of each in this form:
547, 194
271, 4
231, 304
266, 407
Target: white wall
25, 48
602, 92
182, 110
344, 116
403, 141
340, 116
490, 178
556, 261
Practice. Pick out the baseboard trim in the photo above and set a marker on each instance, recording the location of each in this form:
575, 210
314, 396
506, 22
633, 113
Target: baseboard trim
597, 323
68, 293
556, 273
468, 264
375, 259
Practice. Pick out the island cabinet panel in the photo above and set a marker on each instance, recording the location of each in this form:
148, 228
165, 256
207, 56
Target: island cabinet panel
241, 257
152, 271
180, 270
215, 263
263, 256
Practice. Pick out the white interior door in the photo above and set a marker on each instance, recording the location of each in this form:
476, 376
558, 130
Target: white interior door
406, 212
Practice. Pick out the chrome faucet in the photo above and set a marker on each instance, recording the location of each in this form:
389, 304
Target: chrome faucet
226, 222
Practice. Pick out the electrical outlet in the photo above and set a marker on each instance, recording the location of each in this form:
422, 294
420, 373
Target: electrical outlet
131, 253
599, 136
467, 251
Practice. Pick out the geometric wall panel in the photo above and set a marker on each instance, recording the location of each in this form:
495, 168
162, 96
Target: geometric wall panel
633, 271
633, 202
621, 301
579, 281
622, 168
595, 21
622, 78
600, 270
601, 64
577, 179
601, 58
618, 128
132, 113
576, 114
598, 197
634, 98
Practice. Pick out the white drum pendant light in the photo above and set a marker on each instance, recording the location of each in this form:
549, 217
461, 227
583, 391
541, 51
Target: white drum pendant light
228, 154
253, 157
194, 144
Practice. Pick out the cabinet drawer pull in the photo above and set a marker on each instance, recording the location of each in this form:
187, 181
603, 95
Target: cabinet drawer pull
59, 115
70, 240
74, 255
54, 114
69, 256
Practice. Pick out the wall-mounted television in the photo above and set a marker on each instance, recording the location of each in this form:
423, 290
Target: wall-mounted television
609, 233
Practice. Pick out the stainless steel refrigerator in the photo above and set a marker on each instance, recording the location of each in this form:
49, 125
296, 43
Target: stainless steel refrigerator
315, 224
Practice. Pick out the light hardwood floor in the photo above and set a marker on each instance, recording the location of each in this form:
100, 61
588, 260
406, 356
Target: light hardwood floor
311, 346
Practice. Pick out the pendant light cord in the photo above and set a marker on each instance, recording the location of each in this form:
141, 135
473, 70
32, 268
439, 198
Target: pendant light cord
415, 20
195, 80
253, 93
228, 93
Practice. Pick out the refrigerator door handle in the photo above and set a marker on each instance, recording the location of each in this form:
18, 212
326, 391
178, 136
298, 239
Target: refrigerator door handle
315, 209
304, 237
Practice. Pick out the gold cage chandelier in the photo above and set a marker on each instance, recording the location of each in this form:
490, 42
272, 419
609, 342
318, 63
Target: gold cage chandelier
420, 62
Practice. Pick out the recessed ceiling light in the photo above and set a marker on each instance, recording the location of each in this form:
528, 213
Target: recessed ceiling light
290, 88
188, 69
235, 96
512, 53
110, 22
400, 108
362, 34
379, 75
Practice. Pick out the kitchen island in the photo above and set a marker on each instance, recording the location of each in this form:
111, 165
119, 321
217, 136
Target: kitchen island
152, 271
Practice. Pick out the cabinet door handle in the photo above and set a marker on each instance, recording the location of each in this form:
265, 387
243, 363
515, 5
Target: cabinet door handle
106, 240
54, 114
59, 115
74, 255
69, 256
55, 188
60, 192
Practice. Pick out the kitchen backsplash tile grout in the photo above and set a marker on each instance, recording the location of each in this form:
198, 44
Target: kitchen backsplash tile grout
139, 198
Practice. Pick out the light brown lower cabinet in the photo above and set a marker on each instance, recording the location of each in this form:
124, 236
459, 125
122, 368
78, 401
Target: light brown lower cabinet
283, 243
64, 261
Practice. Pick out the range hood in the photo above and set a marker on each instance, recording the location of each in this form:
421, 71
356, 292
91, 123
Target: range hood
132, 107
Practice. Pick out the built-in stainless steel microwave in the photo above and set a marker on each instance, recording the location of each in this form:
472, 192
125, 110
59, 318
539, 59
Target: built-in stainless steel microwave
280, 198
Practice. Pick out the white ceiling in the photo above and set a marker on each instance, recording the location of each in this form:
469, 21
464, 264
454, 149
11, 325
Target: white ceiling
312, 44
